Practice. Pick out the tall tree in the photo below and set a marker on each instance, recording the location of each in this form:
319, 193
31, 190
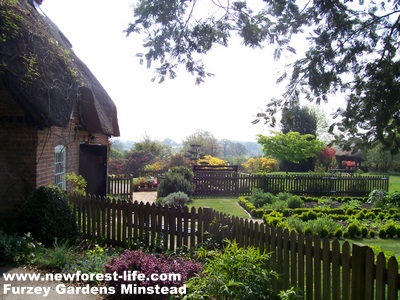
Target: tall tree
301, 119
292, 146
352, 48
157, 149
206, 140
298, 119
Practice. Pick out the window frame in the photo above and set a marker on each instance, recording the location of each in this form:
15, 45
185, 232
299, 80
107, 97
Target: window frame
60, 161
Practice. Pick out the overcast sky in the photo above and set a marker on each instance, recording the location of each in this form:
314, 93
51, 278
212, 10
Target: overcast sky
225, 105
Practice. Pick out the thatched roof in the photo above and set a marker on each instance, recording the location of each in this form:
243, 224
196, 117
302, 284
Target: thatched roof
45, 77
349, 155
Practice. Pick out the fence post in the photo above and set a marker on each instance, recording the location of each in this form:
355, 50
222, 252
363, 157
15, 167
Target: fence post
207, 212
358, 282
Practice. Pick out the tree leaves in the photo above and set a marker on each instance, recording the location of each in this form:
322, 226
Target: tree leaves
352, 49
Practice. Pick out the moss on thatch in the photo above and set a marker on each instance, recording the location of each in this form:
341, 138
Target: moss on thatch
45, 77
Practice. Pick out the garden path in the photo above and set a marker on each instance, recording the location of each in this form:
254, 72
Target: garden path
145, 197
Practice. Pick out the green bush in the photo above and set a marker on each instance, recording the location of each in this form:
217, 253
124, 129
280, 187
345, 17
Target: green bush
250, 208
235, 273
258, 198
295, 202
364, 231
47, 215
56, 258
184, 171
176, 180
17, 250
323, 227
276, 205
382, 233
390, 230
309, 215
174, 199
338, 233
378, 198
353, 231
284, 196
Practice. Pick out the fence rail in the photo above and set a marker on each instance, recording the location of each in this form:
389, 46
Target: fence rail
321, 268
307, 185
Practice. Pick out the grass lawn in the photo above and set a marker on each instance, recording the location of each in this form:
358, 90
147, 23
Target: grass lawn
394, 183
229, 206
389, 245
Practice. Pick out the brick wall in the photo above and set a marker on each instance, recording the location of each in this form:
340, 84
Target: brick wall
71, 138
17, 167
27, 155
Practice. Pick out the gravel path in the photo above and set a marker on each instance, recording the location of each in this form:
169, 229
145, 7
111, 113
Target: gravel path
145, 196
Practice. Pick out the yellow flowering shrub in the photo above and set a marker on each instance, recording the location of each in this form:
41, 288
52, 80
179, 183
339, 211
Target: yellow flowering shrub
210, 160
261, 165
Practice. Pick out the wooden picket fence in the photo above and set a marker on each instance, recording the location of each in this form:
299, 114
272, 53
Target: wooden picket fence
120, 185
218, 184
323, 269
306, 185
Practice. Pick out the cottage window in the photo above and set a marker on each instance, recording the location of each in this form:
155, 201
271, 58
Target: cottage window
59, 166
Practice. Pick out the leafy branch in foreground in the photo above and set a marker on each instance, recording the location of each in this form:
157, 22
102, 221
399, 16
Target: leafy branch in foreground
352, 49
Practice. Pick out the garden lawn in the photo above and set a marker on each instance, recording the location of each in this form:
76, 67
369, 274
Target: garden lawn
391, 246
394, 183
228, 206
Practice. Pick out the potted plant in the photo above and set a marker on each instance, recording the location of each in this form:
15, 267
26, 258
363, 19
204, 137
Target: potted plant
135, 184
150, 182
142, 182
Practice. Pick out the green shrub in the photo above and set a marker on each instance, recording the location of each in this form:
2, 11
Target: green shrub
234, 273
184, 171
174, 199
338, 233
372, 233
276, 205
17, 250
382, 233
175, 182
284, 196
353, 231
354, 204
323, 227
394, 199
378, 198
47, 215
295, 202
56, 257
390, 229
310, 215
295, 223
274, 221
364, 231
370, 215
308, 230
360, 215
258, 198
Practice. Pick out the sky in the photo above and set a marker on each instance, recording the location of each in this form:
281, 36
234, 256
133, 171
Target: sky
225, 105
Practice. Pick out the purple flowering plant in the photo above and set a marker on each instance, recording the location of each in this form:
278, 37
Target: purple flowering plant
150, 263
